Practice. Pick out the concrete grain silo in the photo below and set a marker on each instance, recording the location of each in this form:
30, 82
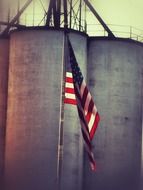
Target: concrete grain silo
33, 116
4, 55
113, 70
115, 77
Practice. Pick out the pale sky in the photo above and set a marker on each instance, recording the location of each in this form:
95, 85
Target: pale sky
121, 12
125, 12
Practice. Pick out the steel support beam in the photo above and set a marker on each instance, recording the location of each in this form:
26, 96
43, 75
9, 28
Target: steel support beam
80, 14
49, 13
65, 14
110, 34
58, 12
11, 25
55, 14
71, 1
16, 18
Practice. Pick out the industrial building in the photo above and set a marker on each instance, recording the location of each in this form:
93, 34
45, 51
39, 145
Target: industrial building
31, 76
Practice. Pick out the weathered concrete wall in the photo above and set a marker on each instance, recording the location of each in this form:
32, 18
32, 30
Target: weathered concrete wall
33, 116
4, 55
33, 109
115, 78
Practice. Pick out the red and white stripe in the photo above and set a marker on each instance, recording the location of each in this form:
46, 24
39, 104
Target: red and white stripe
69, 90
84, 129
90, 110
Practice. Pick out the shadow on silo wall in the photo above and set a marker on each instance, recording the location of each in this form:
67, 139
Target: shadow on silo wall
4, 56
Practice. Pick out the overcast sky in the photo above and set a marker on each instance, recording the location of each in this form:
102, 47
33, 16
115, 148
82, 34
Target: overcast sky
121, 12
126, 12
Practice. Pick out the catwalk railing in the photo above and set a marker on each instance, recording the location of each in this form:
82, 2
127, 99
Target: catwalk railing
122, 31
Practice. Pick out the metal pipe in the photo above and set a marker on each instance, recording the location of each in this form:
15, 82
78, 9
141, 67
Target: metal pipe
61, 122
58, 13
49, 13
80, 6
71, 13
12, 25
65, 14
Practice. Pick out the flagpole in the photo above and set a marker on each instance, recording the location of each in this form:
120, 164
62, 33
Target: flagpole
61, 121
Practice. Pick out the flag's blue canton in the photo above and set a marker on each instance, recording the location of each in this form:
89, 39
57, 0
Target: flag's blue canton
77, 75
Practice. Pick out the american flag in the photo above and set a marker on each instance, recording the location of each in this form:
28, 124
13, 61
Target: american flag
77, 93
